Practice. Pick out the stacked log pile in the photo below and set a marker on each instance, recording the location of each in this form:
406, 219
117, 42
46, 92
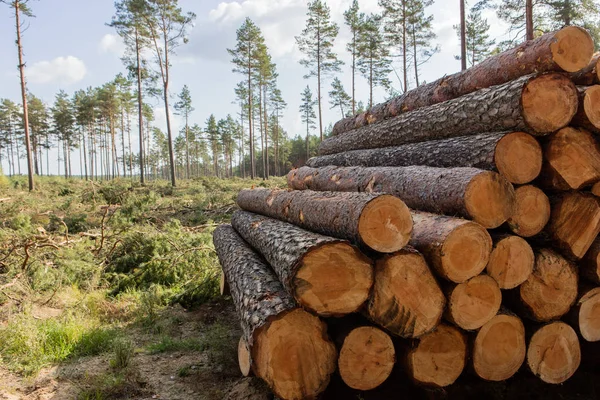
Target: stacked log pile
452, 230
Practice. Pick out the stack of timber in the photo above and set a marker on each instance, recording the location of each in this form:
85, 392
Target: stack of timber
450, 232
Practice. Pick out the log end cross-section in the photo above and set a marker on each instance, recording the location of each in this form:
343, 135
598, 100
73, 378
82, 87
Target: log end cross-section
293, 355
511, 261
588, 317
473, 303
554, 353
549, 102
438, 358
367, 358
532, 211
385, 224
244, 357
518, 157
490, 199
499, 348
572, 49
406, 299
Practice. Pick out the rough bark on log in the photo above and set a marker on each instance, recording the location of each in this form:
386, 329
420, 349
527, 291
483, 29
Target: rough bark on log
553, 354
588, 113
532, 211
499, 348
590, 75
569, 49
406, 299
574, 222
367, 357
455, 248
538, 105
551, 289
571, 160
223, 285
483, 196
438, 358
584, 317
289, 347
380, 222
589, 268
517, 155
511, 261
325, 275
473, 303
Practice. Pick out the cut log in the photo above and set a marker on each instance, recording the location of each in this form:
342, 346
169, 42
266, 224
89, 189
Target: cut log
554, 353
596, 189
406, 299
517, 156
569, 49
483, 196
589, 75
473, 303
538, 105
589, 267
367, 358
511, 261
499, 348
574, 223
588, 113
244, 358
325, 275
532, 211
380, 222
585, 314
223, 285
438, 358
289, 347
551, 289
571, 160
457, 249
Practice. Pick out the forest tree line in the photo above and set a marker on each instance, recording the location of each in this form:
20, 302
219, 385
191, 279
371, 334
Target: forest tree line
110, 131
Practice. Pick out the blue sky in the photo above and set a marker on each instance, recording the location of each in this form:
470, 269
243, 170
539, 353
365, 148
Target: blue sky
68, 46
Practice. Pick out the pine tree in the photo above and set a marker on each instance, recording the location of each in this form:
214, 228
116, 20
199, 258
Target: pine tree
316, 42
63, 124
353, 21
373, 55
39, 125
212, 132
478, 43
9, 115
307, 113
420, 34
396, 35
246, 60
184, 107
338, 97
278, 105
167, 26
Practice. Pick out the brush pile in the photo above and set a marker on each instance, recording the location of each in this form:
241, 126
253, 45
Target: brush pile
452, 229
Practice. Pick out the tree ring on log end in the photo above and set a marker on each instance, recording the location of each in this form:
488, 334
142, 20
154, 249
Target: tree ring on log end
511, 262
499, 348
591, 105
518, 157
573, 48
439, 358
589, 315
385, 224
244, 359
490, 199
367, 358
406, 299
465, 252
294, 355
549, 102
333, 279
475, 302
554, 353
532, 211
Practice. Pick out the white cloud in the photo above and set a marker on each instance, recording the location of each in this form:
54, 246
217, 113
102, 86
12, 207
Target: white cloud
63, 70
111, 43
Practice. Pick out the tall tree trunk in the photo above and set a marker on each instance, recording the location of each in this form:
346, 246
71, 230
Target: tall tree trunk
24, 96
250, 116
123, 142
404, 64
528, 19
415, 59
140, 114
129, 144
463, 37
266, 132
85, 163
187, 148
353, 72
262, 132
